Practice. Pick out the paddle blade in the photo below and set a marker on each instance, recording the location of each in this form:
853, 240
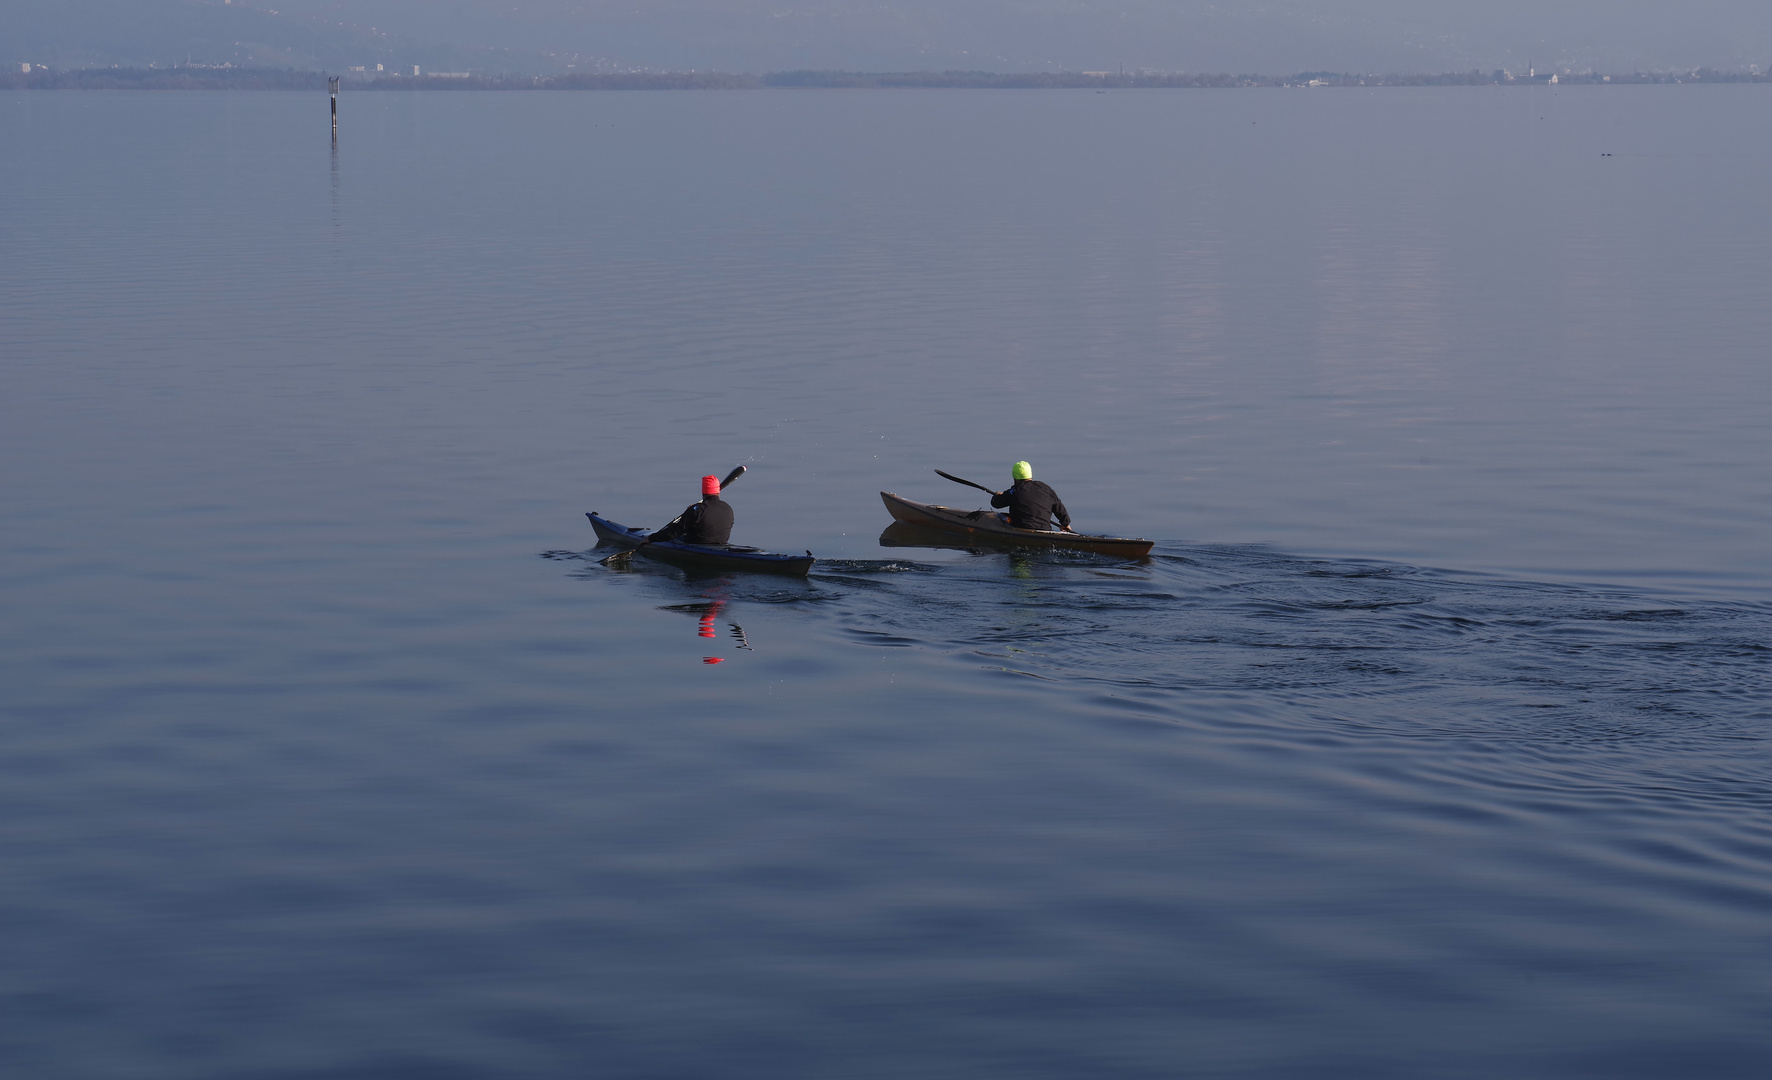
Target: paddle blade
968, 483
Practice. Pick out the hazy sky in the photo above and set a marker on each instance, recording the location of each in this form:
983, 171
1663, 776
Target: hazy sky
1266, 36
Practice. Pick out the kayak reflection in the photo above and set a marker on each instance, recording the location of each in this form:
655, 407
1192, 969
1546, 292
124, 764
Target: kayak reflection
904, 534
707, 614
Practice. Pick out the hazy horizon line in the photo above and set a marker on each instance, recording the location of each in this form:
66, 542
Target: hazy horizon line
231, 76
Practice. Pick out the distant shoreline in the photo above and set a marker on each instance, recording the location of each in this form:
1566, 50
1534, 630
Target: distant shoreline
248, 78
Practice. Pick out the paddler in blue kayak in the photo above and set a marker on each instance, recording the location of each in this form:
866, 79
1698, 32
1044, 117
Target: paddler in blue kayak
708, 522
1032, 503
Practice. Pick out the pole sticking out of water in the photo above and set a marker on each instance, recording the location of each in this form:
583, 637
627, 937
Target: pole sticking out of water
332, 87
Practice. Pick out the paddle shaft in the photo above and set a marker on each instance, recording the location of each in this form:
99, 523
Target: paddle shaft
628, 553
968, 483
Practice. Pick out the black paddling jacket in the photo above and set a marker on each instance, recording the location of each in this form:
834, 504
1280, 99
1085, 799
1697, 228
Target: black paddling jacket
707, 522
1033, 505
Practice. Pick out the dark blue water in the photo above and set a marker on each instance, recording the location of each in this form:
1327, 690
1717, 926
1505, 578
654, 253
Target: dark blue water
1430, 742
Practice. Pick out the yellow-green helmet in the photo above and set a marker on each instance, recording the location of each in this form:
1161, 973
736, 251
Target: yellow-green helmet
1022, 471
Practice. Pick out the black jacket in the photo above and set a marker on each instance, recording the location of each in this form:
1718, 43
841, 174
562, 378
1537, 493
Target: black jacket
707, 522
1033, 505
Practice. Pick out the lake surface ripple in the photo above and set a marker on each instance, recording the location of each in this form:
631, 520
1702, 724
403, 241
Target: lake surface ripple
1431, 741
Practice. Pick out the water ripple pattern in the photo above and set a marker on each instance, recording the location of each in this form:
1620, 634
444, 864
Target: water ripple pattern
1408, 650
1432, 743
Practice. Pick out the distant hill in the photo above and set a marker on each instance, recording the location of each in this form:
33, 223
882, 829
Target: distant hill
165, 33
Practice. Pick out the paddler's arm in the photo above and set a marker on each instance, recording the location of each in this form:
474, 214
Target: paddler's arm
1063, 515
679, 525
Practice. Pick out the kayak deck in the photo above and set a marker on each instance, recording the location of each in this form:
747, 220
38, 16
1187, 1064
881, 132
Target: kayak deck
994, 527
698, 556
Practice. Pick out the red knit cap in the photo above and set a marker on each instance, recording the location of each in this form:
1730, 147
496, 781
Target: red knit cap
710, 485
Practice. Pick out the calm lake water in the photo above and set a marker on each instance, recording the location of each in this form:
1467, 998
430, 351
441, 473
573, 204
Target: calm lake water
1431, 741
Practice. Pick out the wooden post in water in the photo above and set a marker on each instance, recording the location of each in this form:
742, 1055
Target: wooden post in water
332, 87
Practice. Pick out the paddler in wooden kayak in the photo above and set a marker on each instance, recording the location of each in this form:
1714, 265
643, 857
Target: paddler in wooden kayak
1032, 503
708, 522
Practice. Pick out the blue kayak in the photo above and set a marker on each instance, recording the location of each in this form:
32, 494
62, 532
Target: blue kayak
700, 557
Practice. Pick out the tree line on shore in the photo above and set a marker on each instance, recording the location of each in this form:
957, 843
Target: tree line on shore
254, 78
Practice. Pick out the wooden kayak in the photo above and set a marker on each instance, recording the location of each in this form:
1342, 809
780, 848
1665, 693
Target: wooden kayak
697, 556
992, 527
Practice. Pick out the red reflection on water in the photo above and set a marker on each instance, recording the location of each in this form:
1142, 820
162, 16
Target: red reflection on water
707, 613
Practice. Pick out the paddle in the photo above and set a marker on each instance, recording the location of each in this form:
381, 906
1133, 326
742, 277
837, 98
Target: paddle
628, 553
968, 483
